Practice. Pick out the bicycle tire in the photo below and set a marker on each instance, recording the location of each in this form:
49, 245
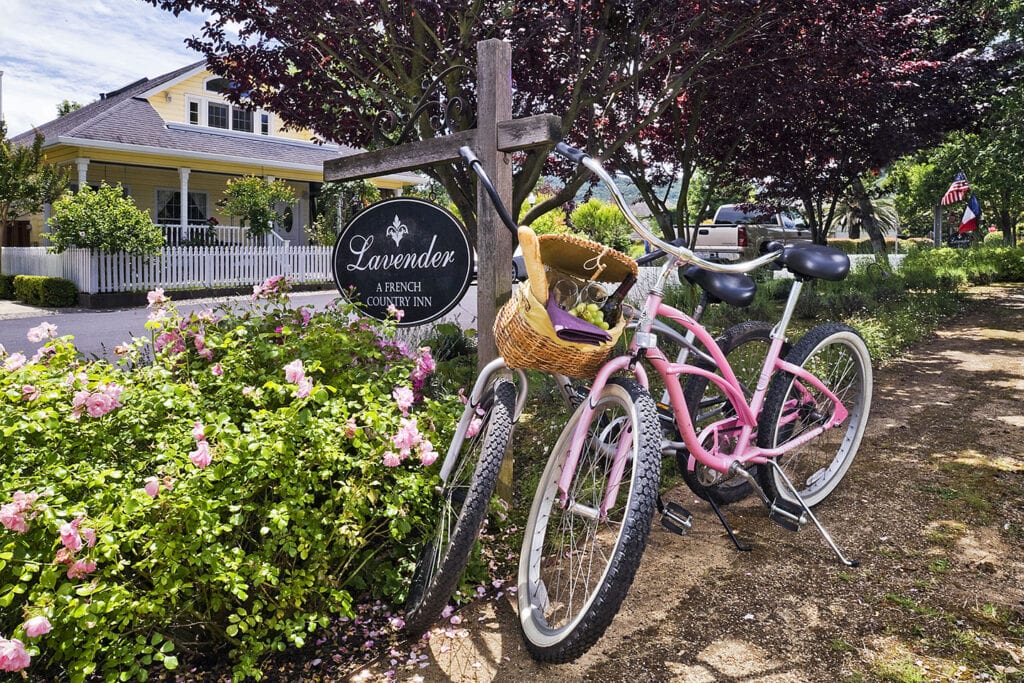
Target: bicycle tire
464, 500
837, 355
560, 622
745, 345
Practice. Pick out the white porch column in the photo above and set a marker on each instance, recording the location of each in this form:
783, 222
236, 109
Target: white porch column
83, 171
183, 174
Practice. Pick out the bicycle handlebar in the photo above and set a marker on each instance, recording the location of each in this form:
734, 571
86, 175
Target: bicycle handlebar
678, 251
474, 162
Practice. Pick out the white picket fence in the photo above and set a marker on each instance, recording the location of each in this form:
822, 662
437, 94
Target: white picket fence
173, 268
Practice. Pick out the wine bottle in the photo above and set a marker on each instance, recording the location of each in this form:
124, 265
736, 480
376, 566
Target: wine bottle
613, 304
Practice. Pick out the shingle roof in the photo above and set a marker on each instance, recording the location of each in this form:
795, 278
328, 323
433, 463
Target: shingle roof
125, 118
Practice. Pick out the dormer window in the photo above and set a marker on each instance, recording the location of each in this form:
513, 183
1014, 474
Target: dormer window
215, 113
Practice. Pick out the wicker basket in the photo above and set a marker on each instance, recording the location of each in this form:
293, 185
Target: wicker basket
523, 331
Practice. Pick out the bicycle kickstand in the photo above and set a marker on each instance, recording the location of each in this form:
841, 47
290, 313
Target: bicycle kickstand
807, 511
728, 527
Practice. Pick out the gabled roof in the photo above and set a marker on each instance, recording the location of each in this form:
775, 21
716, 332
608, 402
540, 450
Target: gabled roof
125, 120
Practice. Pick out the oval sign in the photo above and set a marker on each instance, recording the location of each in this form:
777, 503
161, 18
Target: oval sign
407, 253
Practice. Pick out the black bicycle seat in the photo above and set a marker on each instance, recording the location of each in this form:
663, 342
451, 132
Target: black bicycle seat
735, 289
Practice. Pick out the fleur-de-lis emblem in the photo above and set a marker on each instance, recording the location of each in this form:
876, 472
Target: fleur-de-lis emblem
397, 231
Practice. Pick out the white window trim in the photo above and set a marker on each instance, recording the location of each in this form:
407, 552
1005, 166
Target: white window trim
204, 111
156, 203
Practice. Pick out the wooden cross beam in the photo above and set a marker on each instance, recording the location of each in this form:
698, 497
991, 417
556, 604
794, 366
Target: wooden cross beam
496, 134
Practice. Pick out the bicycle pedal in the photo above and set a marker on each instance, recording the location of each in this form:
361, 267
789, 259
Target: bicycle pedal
787, 514
676, 519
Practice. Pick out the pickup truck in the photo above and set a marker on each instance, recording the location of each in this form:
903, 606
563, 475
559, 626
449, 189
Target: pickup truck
734, 233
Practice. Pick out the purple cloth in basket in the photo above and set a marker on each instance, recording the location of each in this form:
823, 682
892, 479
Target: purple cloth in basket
572, 329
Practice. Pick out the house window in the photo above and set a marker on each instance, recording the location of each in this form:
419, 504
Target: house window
168, 207
241, 119
217, 115
217, 85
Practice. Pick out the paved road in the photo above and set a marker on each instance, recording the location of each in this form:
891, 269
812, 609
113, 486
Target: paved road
98, 332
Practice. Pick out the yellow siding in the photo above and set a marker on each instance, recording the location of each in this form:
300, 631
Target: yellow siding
174, 109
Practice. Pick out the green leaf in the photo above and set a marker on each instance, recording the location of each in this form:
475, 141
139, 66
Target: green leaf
171, 663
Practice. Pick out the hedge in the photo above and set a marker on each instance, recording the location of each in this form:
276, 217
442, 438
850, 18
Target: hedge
39, 290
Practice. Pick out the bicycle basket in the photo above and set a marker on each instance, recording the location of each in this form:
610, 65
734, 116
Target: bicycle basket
523, 331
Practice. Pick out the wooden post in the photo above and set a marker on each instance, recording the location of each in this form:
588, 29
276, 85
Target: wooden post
496, 134
494, 242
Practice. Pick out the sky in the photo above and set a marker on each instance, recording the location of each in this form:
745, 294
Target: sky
55, 50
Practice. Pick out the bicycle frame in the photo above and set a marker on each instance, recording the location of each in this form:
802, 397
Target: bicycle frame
644, 347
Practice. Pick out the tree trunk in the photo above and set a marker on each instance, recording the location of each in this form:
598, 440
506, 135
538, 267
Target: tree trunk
867, 216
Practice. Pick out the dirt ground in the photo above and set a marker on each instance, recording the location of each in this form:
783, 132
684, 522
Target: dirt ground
932, 509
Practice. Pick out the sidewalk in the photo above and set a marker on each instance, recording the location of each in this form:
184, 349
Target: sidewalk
12, 309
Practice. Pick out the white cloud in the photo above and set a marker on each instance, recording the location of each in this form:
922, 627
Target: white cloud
52, 50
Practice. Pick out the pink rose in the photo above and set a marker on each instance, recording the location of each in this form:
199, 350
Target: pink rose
350, 427
90, 537
41, 332
81, 569
294, 372
11, 517
305, 388
201, 456
152, 487
217, 370
408, 435
13, 656
37, 626
69, 536
15, 361
29, 392
171, 341
156, 297
391, 459
427, 453
474, 427
403, 398
198, 431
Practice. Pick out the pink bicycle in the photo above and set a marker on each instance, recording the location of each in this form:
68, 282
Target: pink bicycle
793, 441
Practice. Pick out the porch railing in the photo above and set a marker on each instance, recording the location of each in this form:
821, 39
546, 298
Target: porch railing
204, 235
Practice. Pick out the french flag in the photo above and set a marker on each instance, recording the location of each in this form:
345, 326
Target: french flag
972, 214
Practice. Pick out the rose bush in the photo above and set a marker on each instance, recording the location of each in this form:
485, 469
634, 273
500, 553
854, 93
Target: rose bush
231, 494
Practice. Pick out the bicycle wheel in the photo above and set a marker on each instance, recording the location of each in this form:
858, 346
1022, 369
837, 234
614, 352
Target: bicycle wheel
745, 345
576, 564
835, 354
463, 502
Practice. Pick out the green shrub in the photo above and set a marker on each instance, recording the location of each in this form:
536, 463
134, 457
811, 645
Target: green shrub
59, 292
104, 220
39, 290
861, 245
910, 244
229, 498
992, 239
6, 286
602, 223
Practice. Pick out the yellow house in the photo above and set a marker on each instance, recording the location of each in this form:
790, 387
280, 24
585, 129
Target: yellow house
176, 136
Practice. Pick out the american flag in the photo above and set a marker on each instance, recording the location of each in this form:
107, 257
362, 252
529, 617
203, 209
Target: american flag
957, 190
